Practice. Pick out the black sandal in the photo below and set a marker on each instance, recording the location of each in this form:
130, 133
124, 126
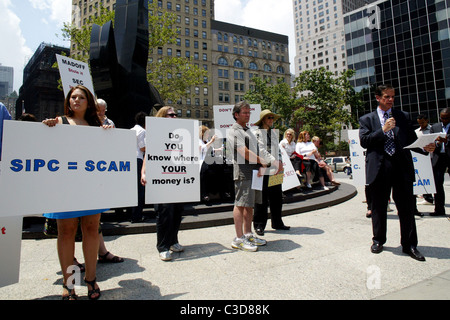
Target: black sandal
115, 259
70, 296
93, 291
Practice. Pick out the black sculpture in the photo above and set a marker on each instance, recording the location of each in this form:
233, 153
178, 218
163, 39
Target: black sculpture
118, 59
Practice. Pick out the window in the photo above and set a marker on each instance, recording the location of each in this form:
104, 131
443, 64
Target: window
238, 64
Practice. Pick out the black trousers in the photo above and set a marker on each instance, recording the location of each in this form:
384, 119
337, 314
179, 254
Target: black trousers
272, 197
136, 212
389, 178
439, 168
168, 221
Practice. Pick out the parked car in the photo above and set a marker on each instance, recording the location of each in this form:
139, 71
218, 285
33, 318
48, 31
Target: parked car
339, 164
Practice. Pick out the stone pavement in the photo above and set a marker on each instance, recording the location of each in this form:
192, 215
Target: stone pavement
324, 256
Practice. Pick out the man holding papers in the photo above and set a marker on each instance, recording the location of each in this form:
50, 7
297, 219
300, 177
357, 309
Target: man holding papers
242, 148
440, 160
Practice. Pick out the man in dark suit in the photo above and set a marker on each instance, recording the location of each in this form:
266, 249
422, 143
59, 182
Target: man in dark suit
440, 160
384, 133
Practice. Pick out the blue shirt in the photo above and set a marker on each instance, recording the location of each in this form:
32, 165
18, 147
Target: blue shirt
4, 115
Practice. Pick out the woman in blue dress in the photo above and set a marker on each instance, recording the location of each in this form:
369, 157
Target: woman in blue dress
80, 109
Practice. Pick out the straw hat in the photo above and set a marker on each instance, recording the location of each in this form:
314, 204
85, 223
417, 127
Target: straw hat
266, 113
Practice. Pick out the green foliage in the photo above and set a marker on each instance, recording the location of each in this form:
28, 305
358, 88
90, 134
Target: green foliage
278, 98
324, 102
319, 102
81, 37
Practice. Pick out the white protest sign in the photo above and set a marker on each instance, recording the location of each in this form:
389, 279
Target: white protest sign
424, 174
73, 73
357, 158
172, 160
10, 245
66, 168
223, 118
290, 179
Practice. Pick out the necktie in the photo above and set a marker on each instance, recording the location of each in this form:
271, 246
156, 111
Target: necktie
389, 145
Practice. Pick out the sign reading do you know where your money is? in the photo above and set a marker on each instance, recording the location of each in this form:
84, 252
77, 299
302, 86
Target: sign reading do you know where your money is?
172, 161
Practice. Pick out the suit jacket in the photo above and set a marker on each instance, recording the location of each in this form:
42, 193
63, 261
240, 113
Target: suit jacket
373, 139
436, 128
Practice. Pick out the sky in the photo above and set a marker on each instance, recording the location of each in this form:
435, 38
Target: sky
25, 24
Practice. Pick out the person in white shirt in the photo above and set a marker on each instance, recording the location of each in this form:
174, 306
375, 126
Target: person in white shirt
139, 128
307, 149
424, 128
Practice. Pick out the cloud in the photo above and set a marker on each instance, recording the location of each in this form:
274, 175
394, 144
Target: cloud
16, 53
268, 15
59, 11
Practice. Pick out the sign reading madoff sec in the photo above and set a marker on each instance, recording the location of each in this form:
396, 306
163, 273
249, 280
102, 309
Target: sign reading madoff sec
66, 168
172, 160
74, 73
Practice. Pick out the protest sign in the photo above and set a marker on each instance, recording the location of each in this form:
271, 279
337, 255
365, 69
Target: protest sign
290, 178
73, 73
424, 183
172, 160
223, 118
66, 168
357, 158
10, 245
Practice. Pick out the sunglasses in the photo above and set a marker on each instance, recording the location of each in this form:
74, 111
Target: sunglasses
270, 118
172, 115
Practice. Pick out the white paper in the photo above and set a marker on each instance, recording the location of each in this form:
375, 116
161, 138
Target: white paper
425, 140
257, 182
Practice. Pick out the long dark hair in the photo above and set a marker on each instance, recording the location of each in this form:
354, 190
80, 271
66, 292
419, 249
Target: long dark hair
91, 115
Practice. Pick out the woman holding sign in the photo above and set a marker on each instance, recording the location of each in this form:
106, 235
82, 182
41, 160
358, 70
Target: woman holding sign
168, 215
271, 195
80, 109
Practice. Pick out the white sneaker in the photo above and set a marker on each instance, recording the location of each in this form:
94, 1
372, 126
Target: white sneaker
165, 256
243, 244
255, 241
176, 247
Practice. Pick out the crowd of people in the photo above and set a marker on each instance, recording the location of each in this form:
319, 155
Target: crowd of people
389, 168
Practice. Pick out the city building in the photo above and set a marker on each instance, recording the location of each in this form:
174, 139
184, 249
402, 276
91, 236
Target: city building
230, 54
239, 54
406, 44
319, 33
39, 93
6, 81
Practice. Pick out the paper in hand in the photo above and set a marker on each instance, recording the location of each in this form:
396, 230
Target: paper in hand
425, 140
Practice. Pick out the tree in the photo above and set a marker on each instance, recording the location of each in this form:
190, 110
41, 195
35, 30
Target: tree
324, 102
171, 76
278, 98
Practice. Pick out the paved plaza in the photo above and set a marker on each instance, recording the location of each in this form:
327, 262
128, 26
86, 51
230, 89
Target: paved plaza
324, 256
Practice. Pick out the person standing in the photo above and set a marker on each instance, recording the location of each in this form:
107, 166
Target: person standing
242, 148
271, 196
440, 160
139, 128
389, 166
424, 128
102, 108
80, 109
168, 215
